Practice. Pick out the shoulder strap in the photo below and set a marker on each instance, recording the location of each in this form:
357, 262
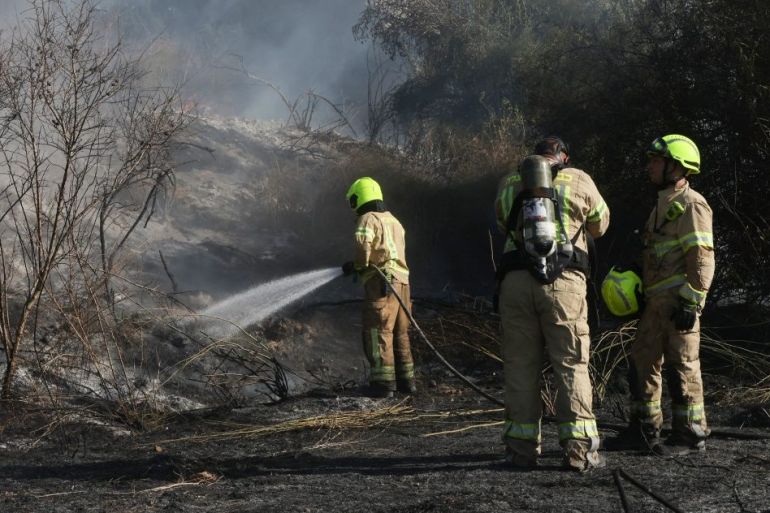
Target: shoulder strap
560, 219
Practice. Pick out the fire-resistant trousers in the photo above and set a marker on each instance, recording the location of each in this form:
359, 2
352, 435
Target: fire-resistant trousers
658, 341
385, 333
550, 320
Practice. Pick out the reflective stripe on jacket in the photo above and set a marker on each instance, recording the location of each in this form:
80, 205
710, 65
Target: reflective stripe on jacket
679, 245
380, 241
580, 203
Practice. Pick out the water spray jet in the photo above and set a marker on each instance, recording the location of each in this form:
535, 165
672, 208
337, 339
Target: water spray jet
225, 318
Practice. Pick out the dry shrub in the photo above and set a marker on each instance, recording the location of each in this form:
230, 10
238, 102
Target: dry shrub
609, 352
741, 360
235, 369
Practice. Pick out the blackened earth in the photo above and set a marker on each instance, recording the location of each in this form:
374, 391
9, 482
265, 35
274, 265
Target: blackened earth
440, 450
385, 468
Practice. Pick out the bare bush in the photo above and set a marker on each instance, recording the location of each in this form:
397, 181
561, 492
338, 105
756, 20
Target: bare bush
242, 366
307, 135
85, 160
379, 96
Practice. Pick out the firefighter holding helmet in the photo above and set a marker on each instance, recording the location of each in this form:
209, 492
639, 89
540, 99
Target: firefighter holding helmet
380, 242
547, 210
678, 267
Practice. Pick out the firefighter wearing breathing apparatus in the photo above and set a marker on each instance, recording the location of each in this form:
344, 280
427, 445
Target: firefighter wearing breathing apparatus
678, 267
379, 242
546, 210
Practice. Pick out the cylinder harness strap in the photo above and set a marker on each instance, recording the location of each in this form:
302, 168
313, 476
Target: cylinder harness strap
518, 260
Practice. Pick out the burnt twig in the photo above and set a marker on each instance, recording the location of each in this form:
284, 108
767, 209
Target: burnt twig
174, 286
621, 490
648, 491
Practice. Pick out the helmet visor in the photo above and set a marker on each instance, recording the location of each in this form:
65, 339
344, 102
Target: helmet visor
658, 147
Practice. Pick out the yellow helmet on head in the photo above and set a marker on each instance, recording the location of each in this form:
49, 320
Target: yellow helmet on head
679, 148
363, 191
622, 291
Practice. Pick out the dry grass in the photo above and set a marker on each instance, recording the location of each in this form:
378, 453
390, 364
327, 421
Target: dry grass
457, 330
753, 396
235, 362
377, 418
736, 356
609, 350
384, 416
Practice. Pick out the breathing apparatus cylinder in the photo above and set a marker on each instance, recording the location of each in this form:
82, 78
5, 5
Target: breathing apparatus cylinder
538, 226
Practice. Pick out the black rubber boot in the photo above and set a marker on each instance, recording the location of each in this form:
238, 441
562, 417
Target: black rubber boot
407, 386
680, 444
382, 390
519, 461
635, 437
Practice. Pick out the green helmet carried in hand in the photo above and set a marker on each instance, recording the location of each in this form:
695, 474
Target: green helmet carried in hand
363, 191
679, 148
622, 291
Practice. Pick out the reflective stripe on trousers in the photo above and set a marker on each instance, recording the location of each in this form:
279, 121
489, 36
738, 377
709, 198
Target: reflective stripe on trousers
647, 410
404, 371
519, 431
385, 333
688, 412
578, 429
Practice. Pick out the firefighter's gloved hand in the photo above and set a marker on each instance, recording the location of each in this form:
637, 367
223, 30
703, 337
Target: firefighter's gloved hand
348, 268
685, 315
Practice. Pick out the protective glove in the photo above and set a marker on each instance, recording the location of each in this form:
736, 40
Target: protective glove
685, 315
348, 268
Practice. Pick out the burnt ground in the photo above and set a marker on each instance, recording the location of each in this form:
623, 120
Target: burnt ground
438, 451
390, 467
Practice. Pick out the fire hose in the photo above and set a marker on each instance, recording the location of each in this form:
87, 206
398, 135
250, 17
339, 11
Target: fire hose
424, 338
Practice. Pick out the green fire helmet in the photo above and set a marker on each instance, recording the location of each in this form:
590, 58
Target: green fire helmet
679, 148
621, 291
363, 191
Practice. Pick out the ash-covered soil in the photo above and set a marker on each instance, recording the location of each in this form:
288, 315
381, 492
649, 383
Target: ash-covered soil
437, 451
329, 448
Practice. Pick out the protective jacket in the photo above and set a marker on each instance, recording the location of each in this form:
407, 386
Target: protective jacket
380, 241
679, 245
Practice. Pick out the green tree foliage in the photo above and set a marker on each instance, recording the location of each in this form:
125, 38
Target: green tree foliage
462, 54
608, 77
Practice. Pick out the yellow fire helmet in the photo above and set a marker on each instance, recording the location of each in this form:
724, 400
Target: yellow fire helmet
363, 191
679, 148
621, 290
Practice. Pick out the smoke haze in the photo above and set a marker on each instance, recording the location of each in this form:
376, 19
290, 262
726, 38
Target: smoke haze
10, 12
294, 44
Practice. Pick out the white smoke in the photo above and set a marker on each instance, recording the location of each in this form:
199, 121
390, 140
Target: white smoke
297, 45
